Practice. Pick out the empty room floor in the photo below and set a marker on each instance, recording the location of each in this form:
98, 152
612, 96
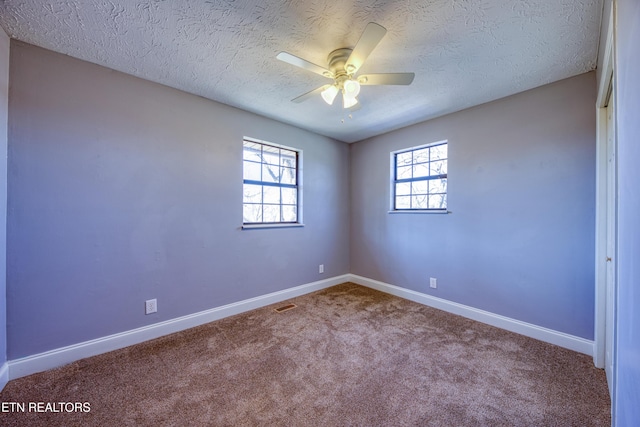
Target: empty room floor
347, 355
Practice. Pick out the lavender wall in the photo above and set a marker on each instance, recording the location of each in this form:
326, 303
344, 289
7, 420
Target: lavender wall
4, 97
627, 71
520, 239
121, 190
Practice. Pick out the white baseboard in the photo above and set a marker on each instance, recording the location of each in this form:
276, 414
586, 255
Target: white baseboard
61, 356
561, 339
4, 375
51, 359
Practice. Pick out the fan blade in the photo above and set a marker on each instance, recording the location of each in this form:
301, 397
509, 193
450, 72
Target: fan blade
309, 94
304, 64
371, 36
386, 79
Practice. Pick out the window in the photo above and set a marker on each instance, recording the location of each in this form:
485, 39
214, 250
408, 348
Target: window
419, 178
270, 185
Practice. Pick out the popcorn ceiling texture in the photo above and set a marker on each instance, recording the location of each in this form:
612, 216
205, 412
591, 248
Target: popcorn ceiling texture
463, 52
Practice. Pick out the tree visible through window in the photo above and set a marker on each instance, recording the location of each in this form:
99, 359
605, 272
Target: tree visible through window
270, 184
420, 178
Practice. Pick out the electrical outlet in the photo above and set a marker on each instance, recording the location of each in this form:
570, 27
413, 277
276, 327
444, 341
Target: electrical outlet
321, 268
433, 282
150, 306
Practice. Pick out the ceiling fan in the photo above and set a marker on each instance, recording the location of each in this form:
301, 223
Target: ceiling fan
343, 64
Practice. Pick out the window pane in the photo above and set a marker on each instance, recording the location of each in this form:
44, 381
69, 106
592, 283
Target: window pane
403, 188
421, 170
421, 156
289, 214
290, 196
252, 213
403, 202
287, 176
438, 185
271, 194
439, 152
251, 170
439, 167
270, 173
271, 155
288, 158
419, 202
404, 172
252, 193
271, 213
438, 201
404, 159
419, 187
252, 151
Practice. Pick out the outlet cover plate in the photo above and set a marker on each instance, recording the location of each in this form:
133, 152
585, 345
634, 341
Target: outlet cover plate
150, 306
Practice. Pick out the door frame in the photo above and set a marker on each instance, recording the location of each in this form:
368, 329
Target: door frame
604, 221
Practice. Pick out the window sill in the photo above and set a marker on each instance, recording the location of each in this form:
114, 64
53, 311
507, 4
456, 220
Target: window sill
260, 226
421, 211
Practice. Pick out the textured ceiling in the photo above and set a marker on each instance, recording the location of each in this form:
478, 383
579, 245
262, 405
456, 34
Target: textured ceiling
463, 52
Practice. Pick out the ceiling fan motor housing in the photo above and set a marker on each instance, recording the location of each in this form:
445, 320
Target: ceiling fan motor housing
338, 64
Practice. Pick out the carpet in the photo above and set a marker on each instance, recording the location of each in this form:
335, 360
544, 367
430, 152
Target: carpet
344, 356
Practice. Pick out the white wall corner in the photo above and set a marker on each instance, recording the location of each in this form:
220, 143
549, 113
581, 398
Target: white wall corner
61, 356
561, 339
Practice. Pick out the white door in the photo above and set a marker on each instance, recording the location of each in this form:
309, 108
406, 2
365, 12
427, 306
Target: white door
612, 190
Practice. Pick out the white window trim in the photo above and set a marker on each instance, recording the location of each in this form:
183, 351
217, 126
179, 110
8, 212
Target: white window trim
421, 211
273, 225
300, 222
392, 171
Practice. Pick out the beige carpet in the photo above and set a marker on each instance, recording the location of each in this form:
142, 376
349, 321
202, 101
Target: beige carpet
345, 356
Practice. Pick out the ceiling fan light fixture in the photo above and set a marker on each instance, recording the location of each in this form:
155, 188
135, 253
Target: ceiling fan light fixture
351, 88
329, 94
347, 101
